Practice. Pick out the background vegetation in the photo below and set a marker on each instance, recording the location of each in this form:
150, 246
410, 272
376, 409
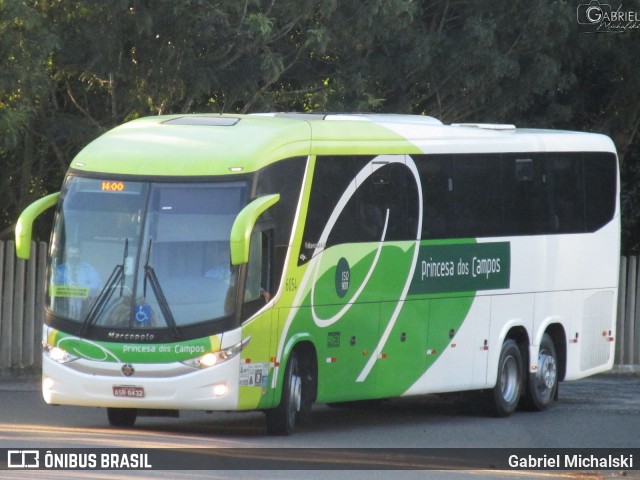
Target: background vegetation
69, 70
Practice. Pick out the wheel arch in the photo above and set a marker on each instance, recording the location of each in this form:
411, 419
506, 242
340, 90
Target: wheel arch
308, 357
304, 347
515, 331
520, 335
559, 338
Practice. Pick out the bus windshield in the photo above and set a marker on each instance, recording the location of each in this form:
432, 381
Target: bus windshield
143, 255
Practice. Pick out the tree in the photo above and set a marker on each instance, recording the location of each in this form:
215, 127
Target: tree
71, 70
24, 84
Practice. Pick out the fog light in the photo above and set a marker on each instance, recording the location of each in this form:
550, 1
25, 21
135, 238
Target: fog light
47, 383
47, 386
220, 390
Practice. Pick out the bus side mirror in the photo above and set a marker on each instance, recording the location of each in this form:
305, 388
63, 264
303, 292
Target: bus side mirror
25, 223
243, 226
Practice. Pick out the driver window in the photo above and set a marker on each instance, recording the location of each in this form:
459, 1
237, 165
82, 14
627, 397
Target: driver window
258, 281
254, 269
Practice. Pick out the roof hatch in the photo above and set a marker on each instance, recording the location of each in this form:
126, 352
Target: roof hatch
486, 126
210, 121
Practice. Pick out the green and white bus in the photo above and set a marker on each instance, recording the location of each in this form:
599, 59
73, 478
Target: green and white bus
270, 261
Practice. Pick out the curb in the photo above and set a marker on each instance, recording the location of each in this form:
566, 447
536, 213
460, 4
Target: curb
625, 369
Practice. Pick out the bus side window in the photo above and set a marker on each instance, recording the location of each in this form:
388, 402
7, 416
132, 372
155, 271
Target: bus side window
390, 189
477, 195
565, 190
436, 176
600, 188
524, 195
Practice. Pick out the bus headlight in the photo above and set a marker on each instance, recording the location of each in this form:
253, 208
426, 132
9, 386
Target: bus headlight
215, 358
58, 354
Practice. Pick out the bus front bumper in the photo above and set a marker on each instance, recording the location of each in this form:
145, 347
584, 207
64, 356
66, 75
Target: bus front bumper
149, 386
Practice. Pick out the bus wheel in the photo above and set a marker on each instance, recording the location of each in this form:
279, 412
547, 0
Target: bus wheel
282, 419
505, 395
543, 383
122, 417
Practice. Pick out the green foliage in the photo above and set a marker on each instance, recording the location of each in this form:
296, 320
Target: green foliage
71, 70
25, 46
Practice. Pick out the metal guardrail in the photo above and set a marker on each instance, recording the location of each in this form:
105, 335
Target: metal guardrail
628, 326
22, 288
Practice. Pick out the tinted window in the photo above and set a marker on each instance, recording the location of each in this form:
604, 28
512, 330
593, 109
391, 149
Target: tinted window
600, 180
436, 176
390, 191
524, 194
565, 190
331, 178
516, 193
363, 194
477, 195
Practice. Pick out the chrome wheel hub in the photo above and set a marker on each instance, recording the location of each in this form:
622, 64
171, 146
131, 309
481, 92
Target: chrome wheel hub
547, 371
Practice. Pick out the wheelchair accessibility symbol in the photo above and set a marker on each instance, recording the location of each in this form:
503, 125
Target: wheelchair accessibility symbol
143, 314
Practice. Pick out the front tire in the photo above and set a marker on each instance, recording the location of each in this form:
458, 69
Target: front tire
504, 397
542, 385
122, 417
282, 419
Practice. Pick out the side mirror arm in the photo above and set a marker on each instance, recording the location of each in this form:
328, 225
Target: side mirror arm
24, 226
243, 226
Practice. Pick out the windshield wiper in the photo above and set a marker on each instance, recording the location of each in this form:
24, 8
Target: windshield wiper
150, 275
104, 297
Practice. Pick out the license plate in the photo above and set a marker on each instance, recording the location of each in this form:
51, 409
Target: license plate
128, 391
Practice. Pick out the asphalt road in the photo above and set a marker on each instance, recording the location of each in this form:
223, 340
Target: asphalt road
598, 412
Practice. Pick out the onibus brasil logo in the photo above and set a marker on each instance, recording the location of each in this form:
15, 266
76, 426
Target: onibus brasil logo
62, 459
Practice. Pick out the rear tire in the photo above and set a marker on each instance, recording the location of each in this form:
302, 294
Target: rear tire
504, 398
122, 417
542, 385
